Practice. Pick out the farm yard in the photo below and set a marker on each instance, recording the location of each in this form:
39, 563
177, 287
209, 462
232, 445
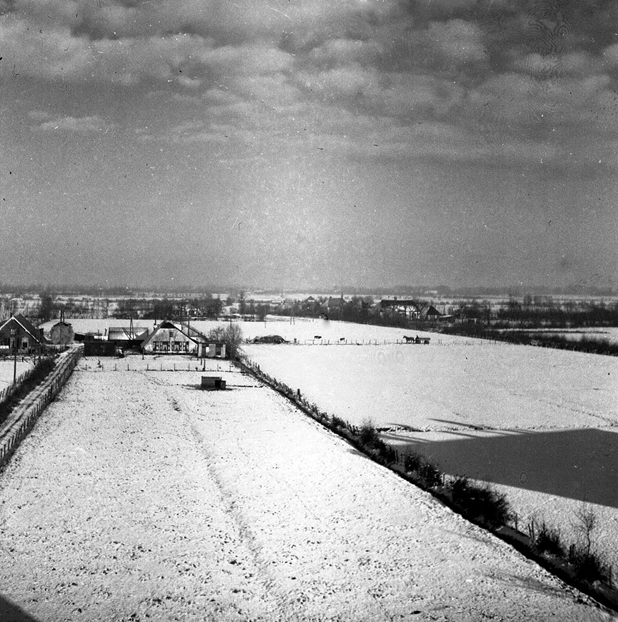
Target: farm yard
138, 496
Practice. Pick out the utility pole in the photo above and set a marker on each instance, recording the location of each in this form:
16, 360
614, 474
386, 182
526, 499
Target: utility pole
14, 337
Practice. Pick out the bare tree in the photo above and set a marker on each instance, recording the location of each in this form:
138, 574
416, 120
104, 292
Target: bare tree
585, 523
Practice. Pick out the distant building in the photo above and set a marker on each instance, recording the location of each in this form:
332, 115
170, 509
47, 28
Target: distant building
61, 333
429, 313
124, 337
169, 338
408, 309
18, 333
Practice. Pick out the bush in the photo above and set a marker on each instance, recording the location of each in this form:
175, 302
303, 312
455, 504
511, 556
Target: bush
429, 476
412, 462
588, 566
548, 540
480, 503
337, 422
368, 436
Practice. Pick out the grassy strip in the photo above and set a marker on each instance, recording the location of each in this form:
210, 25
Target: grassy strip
29, 381
577, 565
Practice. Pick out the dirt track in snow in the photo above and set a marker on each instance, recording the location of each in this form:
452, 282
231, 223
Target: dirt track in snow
139, 497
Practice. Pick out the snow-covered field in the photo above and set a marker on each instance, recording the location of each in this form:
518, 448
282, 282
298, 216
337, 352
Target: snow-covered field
139, 497
302, 329
540, 424
7, 370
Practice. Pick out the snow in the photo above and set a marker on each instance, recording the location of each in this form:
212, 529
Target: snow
7, 370
138, 496
539, 424
451, 386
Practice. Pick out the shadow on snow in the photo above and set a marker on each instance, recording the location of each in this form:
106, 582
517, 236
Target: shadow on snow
12, 613
580, 464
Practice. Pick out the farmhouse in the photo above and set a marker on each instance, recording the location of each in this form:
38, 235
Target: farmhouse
429, 313
403, 308
18, 332
168, 337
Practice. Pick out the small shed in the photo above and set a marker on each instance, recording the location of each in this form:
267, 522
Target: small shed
213, 383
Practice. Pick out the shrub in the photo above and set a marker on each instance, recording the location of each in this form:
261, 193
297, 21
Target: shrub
429, 476
480, 503
588, 566
368, 435
548, 540
389, 454
412, 462
337, 422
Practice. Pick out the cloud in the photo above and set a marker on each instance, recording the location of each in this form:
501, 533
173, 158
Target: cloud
81, 125
458, 40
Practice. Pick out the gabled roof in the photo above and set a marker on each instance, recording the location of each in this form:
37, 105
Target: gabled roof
167, 325
25, 325
429, 310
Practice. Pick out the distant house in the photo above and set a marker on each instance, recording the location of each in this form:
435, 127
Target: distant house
171, 338
405, 308
127, 337
18, 333
429, 313
61, 333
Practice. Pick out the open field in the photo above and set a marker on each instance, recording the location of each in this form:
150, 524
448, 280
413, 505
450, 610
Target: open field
138, 497
539, 424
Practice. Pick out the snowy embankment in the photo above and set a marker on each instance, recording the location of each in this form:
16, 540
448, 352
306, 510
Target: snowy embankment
539, 424
138, 496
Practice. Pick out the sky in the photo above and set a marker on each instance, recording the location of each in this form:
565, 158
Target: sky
313, 143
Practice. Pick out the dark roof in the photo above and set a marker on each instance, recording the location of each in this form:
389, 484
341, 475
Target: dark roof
26, 325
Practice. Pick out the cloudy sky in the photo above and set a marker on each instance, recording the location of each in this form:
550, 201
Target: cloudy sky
284, 143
